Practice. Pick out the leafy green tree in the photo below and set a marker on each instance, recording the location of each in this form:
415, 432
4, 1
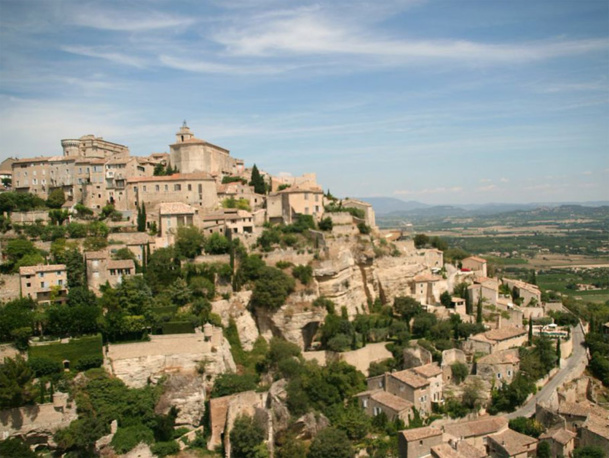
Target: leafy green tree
141, 218
56, 198
15, 448
421, 240
77, 230
16, 314
228, 383
128, 437
189, 242
527, 426
162, 269
445, 299
439, 243
589, 451
423, 323
16, 387
246, 437
363, 228
257, 181
33, 259
407, 307
75, 268
544, 450
217, 244
291, 447
331, 442
58, 216
15, 249
326, 224
459, 371
94, 244
272, 288
303, 273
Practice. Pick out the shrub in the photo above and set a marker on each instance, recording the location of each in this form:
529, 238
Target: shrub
233, 383
165, 448
326, 224
364, 228
303, 273
89, 362
272, 288
43, 366
127, 438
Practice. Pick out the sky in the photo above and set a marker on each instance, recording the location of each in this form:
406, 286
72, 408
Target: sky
438, 101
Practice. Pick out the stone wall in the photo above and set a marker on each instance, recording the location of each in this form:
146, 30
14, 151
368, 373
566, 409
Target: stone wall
9, 287
360, 358
288, 255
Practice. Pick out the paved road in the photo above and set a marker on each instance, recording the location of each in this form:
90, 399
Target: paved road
579, 354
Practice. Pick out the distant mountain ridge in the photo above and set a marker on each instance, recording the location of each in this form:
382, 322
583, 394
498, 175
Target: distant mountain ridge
386, 206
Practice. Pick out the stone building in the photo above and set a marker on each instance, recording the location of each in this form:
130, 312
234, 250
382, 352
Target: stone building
561, 441
512, 444
193, 155
369, 216
476, 265
376, 401
101, 270
45, 284
285, 205
426, 288
484, 288
433, 374
90, 146
476, 432
417, 443
525, 291
192, 189
407, 385
228, 221
173, 215
500, 366
496, 340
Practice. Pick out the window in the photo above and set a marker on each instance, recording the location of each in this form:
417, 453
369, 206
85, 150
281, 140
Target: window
190, 187
41, 274
306, 196
43, 284
144, 188
402, 388
166, 187
157, 188
376, 411
177, 187
365, 403
306, 210
316, 197
499, 375
60, 282
509, 373
28, 285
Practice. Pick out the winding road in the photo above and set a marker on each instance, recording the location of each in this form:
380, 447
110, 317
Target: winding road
578, 357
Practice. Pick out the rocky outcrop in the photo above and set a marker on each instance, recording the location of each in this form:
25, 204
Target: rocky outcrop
307, 426
237, 308
276, 404
297, 321
136, 363
340, 280
187, 393
393, 276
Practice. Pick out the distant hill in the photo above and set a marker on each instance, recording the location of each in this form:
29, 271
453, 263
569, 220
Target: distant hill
385, 205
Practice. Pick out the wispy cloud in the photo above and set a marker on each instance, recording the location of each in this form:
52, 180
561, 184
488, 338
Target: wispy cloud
200, 66
488, 188
116, 57
126, 21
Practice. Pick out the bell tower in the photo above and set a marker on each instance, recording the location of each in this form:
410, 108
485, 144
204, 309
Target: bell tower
184, 134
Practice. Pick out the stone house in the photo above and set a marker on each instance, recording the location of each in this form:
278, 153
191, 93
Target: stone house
450, 357
369, 216
376, 401
512, 444
45, 284
173, 215
407, 385
575, 415
192, 189
228, 221
417, 443
136, 242
525, 291
476, 265
101, 269
457, 449
238, 190
561, 441
500, 366
305, 180
496, 340
476, 432
595, 431
285, 205
426, 288
117, 172
433, 374
485, 288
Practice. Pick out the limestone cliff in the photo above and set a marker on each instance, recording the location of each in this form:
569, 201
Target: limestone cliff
236, 308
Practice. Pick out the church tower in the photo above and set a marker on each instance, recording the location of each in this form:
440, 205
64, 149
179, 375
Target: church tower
184, 134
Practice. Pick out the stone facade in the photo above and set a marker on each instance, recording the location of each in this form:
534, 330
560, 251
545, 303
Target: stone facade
45, 284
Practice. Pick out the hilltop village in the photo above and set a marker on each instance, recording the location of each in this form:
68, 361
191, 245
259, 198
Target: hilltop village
183, 304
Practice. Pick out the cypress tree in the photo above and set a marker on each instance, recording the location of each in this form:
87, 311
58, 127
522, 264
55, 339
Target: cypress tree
530, 331
257, 181
479, 311
558, 351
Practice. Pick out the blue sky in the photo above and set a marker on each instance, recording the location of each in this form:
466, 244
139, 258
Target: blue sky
437, 101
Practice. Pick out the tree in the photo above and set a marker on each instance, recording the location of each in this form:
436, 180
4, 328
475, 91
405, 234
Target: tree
189, 242
589, 451
459, 371
420, 240
326, 224
58, 216
217, 244
479, 317
363, 228
257, 181
331, 442
544, 450
246, 437
15, 448
56, 198
531, 331
407, 307
446, 299
15, 249
527, 426
272, 288
141, 218
75, 268
16, 387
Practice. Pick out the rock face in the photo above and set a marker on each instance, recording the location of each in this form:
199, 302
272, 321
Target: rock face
136, 363
297, 321
341, 280
394, 276
307, 426
276, 404
236, 307
187, 393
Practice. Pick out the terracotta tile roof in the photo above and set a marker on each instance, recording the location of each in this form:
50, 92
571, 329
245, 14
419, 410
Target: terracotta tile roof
482, 426
573, 408
95, 255
513, 442
121, 264
393, 402
598, 426
475, 259
462, 450
428, 370
174, 177
33, 270
33, 159
175, 208
505, 333
502, 357
410, 378
420, 433
562, 436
